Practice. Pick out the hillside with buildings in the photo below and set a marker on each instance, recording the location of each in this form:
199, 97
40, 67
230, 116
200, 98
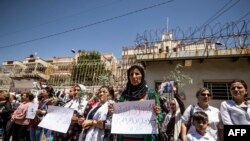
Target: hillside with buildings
211, 61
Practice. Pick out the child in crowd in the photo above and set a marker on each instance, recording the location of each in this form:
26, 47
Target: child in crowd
200, 122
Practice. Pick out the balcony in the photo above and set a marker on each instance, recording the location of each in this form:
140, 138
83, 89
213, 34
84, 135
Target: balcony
44, 76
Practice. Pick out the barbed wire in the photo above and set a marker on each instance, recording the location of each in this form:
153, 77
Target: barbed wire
228, 35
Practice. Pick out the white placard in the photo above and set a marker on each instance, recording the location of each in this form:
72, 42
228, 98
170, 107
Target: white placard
135, 117
57, 119
31, 113
36, 93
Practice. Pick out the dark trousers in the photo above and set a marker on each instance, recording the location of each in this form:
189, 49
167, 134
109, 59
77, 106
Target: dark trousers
8, 130
19, 132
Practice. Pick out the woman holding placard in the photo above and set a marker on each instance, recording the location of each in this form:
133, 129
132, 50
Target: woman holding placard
76, 102
94, 125
137, 90
44, 99
20, 122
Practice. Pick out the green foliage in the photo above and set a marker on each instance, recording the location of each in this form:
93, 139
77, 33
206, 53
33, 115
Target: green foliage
179, 77
91, 55
104, 77
90, 70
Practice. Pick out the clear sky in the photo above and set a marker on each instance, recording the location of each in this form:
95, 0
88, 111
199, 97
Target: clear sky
51, 28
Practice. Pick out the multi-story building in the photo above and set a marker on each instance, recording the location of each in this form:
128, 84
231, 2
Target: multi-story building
24, 73
56, 71
5, 80
209, 64
60, 74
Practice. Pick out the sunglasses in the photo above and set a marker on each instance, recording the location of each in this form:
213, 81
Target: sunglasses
206, 94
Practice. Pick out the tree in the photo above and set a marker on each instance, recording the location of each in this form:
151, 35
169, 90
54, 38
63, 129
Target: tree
89, 68
179, 77
91, 55
104, 78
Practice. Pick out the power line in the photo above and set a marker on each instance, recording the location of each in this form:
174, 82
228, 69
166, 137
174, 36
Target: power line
215, 16
55, 20
88, 25
240, 19
236, 22
222, 12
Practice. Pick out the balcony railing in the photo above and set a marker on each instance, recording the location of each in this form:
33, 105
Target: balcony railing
211, 53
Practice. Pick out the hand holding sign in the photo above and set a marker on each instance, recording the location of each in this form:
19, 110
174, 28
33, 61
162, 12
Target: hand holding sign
136, 117
31, 113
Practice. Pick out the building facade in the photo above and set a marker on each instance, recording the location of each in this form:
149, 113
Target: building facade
207, 63
59, 72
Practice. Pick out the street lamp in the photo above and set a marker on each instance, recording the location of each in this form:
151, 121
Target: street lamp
73, 51
73, 65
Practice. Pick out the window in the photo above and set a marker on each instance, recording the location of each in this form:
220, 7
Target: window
219, 90
167, 49
10, 62
160, 50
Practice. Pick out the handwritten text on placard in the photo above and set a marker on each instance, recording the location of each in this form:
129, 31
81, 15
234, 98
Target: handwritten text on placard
135, 117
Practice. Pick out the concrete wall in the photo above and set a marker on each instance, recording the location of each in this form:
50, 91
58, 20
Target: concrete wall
212, 69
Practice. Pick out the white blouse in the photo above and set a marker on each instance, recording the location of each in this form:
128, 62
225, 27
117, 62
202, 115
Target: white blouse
76, 105
232, 114
195, 136
94, 133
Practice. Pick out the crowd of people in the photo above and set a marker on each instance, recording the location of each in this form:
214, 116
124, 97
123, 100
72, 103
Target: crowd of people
196, 122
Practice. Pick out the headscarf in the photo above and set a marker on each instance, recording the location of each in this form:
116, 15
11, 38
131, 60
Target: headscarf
177, 122
131, 92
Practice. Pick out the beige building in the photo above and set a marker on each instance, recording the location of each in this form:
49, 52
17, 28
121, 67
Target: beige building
207, 65
24, 72
56, 72
5, 80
